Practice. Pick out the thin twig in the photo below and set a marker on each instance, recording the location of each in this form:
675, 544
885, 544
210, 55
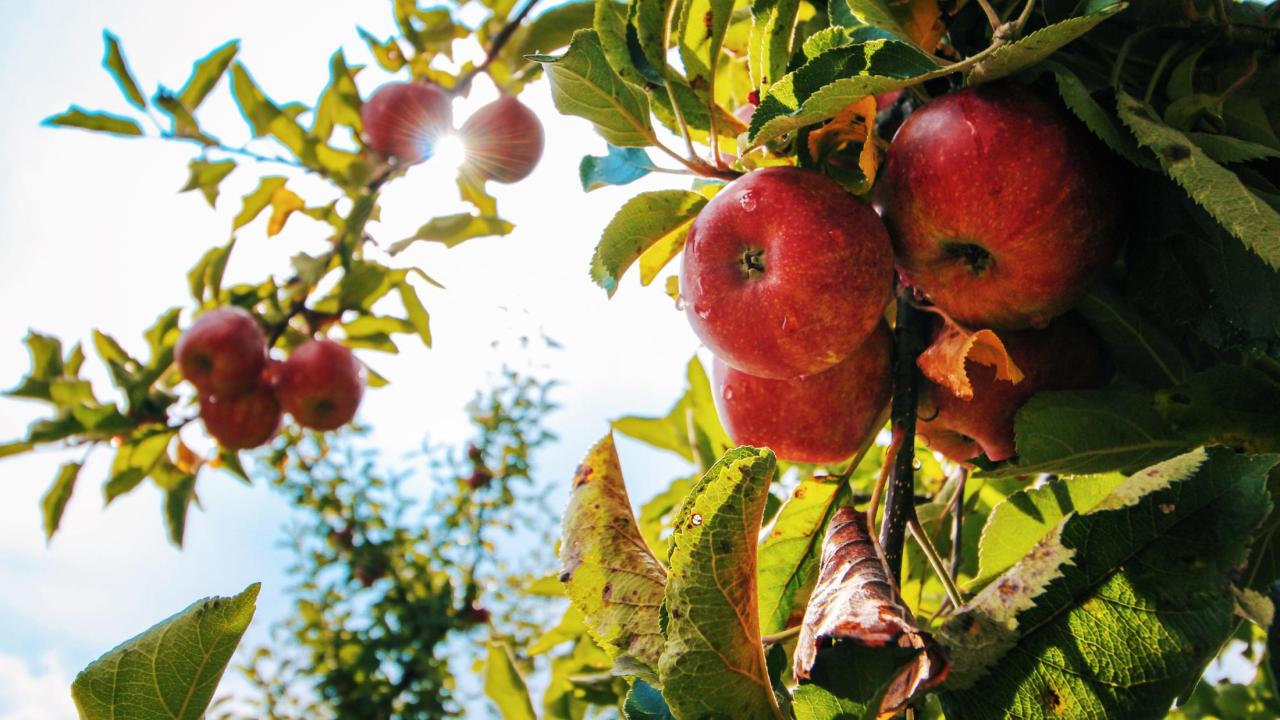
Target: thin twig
992, 16
240, 151
495, 47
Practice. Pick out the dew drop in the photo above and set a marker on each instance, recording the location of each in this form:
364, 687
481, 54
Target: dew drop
696, 519
747, 201
727, 394
916, 464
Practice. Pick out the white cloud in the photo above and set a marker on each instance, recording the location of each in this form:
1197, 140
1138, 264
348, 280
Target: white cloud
34, 693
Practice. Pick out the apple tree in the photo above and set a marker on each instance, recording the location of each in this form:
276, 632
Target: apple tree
1046, 491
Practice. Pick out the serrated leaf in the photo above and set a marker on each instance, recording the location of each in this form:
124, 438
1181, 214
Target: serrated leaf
833, 81
1100, 121
339, 102
205, 74
113, 60
1027, 51
610, 22
609, 573
170, 670
1019, 522
1228, 404
1140, 350
97, 121
1144, 576
256, 201
504, 685
553, 28
55, 500
1218, 190
789, 556
584, 84
713, 663
453, 230
621, 166
642, 222
206, 176
769, 45
1082, 432
1229, 149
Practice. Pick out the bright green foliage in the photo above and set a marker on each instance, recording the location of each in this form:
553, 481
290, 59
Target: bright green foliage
171, 670
788, 557
713, 664
645, 221
583, 84
504, 685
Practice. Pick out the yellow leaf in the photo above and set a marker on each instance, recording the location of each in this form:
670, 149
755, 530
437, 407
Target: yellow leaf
283, 203
943, 362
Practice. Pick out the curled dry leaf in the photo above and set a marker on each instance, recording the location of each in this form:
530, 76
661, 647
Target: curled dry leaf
953, 346
608, 570
855, 602
854, 124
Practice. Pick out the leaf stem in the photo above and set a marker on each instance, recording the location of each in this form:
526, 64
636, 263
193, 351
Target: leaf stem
666, 80
240, 151
909, 339
780, 636
935, 561
957, 521
499, 41
1159, 71
992, 16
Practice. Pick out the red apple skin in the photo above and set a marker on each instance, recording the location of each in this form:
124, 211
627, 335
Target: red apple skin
320, 385
242, 421
404, 120
784, 273
1067, 355
1001, 209
821, 418
223, 352
504, 141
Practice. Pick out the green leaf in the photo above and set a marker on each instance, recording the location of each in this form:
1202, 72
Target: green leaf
1213, 187
554, 28
96, 121
504, 686
453, 230
179, 490
699, 35
610, 574
1016, 525
789, 555
693, 417
713, 663
418, 319
135, 460
621, 166
1100, 121
876, 14
769, 45
647, 36
1118, 609
829, 83
388, 53
584, 84
205, 74
644, 702
170, 670
642, 222
113, 60
1082, 432
55, 500
205, 177
257, 201
1027, 51
657, 515
206, 275
339, 102
850, 682
257, 110
1141, 351
1228, 404
611, 25
1229, 149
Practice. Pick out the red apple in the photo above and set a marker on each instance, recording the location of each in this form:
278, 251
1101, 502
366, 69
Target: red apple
1002, 210
404, 120
820, 418
785, 273
1067, 355
244, 420
503, 141
223, 352
320, 385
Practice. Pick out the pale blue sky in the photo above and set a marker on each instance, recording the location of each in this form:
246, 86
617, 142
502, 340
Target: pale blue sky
93, 234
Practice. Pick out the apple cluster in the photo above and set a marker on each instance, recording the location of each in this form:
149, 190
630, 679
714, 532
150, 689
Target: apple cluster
244, 393
405, 120
994, 208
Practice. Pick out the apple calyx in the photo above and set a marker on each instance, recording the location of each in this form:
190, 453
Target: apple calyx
977, 258
753, 263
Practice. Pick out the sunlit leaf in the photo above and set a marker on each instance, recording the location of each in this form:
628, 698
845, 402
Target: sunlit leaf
113, 60
97, 121
206, 176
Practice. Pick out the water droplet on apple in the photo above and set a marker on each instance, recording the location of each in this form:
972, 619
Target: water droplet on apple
727, 393
747, 201
680, 303
703, 312
916, 464
789, 323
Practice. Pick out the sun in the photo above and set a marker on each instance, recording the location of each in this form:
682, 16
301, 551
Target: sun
450, 151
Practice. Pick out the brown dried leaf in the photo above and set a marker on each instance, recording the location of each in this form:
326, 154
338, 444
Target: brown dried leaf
944, 360
854, 601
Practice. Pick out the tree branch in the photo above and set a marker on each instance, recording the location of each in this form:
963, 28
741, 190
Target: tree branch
499, 41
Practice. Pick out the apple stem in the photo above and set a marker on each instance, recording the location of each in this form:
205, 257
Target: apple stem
909, 339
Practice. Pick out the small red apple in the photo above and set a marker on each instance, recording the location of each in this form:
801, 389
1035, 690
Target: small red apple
404, 120
244, 420
223, 352
503, 140
785, 273
819, 418
320, 385
1002, 210
1067, 355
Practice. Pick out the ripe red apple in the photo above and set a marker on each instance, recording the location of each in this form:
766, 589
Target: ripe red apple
320, 385
785, 273
820, 418
404, 120
1067, 355
503, 140
223, 352
1002, 210
244, 420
